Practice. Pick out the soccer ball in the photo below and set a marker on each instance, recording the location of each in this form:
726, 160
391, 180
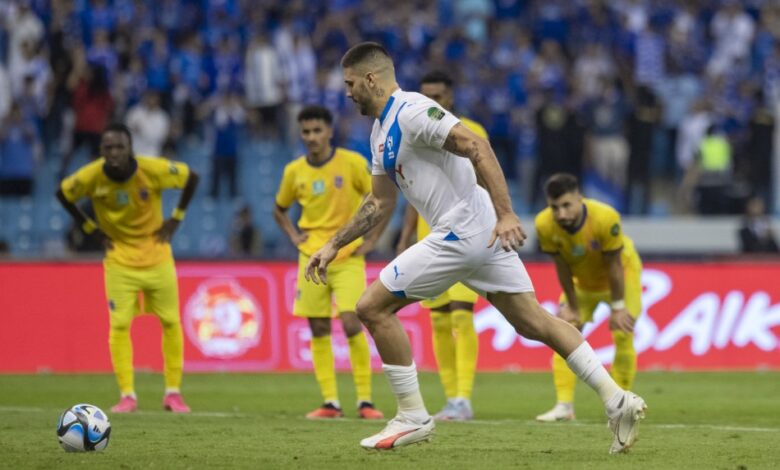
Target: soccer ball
83, 428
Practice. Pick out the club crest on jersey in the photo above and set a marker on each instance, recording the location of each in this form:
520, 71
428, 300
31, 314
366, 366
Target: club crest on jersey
318, 187
122, 198
389, 148
338, 182
595, 245
144, 193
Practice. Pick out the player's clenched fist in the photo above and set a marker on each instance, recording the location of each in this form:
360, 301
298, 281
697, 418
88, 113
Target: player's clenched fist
316, 270
509, 231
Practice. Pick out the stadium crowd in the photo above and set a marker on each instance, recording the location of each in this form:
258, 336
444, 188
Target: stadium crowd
660, 106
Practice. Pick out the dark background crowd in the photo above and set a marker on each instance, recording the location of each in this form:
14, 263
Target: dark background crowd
661, 107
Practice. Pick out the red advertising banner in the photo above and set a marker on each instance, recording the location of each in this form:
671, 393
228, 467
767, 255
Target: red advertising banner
237, 317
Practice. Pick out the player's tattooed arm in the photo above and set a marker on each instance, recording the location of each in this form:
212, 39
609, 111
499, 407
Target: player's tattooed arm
465, 143
376, 208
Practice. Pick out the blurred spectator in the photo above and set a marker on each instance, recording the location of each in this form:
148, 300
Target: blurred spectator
103, 52
760, 148
5, 249
5, 92
642, 123
710, 176
693, 128
18, 139
264, 84
607, 147
245, 238
732, 29
32, 64
149, 124
756, 234
228, 117
23, 27
559, 143
92, 105
590, 69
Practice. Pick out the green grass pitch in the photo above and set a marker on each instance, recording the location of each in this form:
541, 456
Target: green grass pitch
695, 420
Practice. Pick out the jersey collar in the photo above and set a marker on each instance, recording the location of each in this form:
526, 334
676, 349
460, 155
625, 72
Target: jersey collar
582, 221
387, 107
324, 162
133, 166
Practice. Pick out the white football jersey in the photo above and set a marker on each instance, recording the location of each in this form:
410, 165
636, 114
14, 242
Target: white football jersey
406, 145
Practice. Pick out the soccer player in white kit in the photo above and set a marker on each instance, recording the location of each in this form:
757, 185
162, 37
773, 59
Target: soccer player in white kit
424, 151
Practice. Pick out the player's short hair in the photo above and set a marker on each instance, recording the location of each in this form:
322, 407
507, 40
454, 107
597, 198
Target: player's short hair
559, 184
315, 112
437, 76
119, 127
363, 53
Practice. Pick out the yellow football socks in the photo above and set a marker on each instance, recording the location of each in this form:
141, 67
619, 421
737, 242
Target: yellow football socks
564, 379
122, 359
324, 367
466, 350
444, 350
360, 358
173, 354
624, 364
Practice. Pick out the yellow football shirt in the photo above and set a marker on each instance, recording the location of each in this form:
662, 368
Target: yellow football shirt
129, 212
329, 195
583, 249
422, 226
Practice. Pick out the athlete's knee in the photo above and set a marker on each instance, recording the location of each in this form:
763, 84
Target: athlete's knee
623, 340
441, 320
319, 327
351, 324
121, 324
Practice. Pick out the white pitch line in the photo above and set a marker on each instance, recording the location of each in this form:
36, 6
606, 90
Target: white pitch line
494, 422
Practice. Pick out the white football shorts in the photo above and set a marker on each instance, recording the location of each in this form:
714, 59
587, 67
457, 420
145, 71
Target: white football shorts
433, 265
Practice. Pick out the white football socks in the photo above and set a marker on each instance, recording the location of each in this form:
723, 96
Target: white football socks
584, 362
403, 383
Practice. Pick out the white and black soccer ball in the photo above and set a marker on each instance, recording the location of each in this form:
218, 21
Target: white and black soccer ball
83, 428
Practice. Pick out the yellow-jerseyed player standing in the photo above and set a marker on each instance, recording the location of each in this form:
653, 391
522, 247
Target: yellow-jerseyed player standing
455, 341
329, 184
596, 262
126, 194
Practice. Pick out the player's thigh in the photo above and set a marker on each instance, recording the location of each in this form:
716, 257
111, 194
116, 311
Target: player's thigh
440, 303
462, 294
311, 300
499, 271
161, 292
587, 302
122, 287
425, 270
347, 281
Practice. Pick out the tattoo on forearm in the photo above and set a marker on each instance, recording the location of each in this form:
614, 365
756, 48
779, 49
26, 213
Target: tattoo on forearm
463, 147
367, 217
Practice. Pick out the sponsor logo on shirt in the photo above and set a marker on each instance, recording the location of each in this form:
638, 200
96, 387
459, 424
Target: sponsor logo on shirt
435, 113
578, 250
122, 198
318, 187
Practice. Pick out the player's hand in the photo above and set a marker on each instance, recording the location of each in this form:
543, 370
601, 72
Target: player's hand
509, 232
569, 315
103, 239
164, 233
621, 320
299, 238
316, 270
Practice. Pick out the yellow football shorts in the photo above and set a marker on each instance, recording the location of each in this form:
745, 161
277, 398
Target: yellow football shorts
456, 293
346, 282
589, 300
159, 287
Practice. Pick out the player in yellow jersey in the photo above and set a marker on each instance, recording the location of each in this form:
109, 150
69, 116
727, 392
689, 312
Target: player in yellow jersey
596, 263
329, 184
125, 190
455, 342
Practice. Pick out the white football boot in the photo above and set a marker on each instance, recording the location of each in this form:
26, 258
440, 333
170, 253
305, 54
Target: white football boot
559, 412
624, 422
399, 432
